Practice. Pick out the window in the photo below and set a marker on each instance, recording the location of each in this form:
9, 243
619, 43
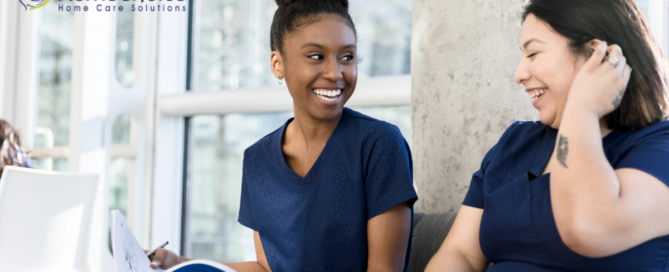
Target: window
231, 42
52, 130
121, 168
51, 148
384, 36
230, 52
217, 149
125, 32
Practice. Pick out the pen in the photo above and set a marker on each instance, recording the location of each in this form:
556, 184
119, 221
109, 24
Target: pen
156, 249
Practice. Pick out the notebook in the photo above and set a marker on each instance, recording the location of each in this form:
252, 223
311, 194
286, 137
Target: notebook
130, 257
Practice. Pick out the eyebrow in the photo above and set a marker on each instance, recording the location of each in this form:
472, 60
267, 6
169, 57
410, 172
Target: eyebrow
530, 41
320, 46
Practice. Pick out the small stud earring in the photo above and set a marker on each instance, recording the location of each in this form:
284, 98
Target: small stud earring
280, 81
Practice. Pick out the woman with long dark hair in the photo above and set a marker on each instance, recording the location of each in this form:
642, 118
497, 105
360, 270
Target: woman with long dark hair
331, 189
586, 188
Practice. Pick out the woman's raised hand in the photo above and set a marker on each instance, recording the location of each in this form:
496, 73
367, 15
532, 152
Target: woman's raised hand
164, 259
600, 85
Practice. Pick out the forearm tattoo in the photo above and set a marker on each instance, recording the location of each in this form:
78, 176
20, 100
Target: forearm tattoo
618, 99
562, 151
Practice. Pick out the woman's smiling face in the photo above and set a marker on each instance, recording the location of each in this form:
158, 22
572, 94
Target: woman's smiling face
320, 66
547, 69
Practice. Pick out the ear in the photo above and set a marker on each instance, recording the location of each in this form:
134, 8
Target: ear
591, 45
276, 63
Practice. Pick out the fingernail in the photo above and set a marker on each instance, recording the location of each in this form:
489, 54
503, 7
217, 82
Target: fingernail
155, 263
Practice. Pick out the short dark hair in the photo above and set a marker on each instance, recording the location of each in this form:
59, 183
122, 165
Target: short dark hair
292, 14
616, 22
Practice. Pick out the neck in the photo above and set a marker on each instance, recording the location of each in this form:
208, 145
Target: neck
309, 130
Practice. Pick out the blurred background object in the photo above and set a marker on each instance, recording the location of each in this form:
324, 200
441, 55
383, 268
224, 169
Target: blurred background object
12, 152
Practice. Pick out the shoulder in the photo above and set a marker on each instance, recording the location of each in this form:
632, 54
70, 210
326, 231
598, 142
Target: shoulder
659, 130
355, 116
518, 140
370, 128
384, 130
521, 127
646, 150
520, 131
653, 139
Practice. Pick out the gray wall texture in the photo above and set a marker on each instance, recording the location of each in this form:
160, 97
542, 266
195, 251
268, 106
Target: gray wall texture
463, 58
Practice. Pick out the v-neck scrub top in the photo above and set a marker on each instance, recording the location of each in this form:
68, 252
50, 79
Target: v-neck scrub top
319, 222
518, 231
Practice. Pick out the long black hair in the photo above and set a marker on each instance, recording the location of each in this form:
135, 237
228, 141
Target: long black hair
616, 22
293, 14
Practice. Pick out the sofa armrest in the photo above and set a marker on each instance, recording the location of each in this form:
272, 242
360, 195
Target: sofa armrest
429, 232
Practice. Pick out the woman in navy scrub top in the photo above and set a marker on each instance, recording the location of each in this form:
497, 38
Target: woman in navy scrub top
585, 189
331, 189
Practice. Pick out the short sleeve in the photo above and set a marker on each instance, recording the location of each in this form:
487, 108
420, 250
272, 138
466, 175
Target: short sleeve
650, 156
474, 197
246, 216
387, 169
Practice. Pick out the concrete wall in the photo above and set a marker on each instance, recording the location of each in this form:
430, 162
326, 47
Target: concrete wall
463, 58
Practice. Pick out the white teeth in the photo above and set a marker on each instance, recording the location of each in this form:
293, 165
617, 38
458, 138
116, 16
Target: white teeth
329, 95
536, 93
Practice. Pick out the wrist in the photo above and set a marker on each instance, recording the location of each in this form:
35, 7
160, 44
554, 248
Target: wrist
581, 109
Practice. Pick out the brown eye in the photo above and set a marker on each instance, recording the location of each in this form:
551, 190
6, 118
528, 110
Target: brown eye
348, 57
316, 56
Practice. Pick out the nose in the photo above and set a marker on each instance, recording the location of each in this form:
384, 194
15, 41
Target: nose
333, 71
522, 72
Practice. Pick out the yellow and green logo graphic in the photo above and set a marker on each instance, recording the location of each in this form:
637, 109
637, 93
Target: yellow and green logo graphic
33, 4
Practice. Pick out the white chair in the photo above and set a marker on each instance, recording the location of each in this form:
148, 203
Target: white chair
45, 220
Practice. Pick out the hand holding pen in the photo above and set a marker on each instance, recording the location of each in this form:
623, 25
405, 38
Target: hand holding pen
163, 258
148, 254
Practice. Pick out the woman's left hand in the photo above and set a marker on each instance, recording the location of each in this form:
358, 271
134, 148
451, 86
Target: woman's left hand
599, 86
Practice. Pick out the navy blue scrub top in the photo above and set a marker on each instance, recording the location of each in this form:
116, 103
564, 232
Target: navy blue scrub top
518, 231
319, 222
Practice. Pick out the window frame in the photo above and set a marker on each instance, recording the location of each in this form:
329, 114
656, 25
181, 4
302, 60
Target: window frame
19, 71
17, 107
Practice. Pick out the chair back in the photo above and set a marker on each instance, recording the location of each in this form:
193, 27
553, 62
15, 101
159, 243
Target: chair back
45, 219
429, 232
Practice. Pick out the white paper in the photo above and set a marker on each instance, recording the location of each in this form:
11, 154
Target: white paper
128, 254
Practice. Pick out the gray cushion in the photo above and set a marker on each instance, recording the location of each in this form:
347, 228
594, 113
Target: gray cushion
429, 232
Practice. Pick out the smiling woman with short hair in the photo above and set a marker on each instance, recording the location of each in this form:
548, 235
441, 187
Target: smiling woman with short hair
331, 189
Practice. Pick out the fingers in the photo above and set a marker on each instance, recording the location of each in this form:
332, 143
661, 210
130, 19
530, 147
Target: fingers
616, 52
627, 72
598, 54
158, 258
